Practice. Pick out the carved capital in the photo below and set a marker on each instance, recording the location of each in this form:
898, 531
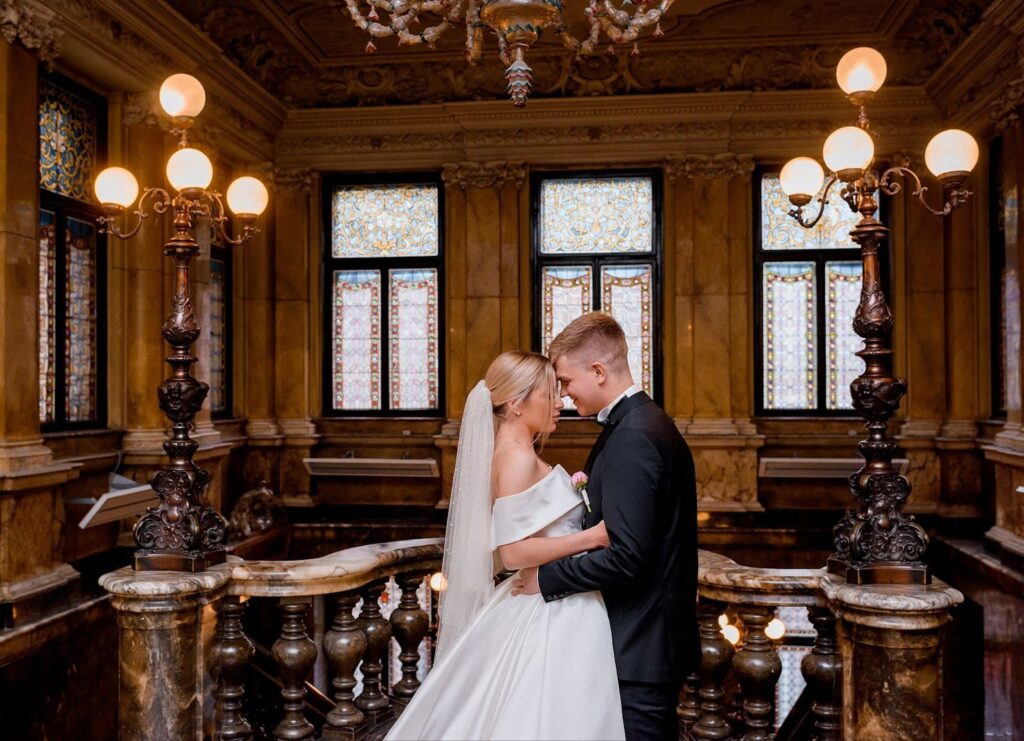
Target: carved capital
909, 158
1006, 109
693, 166
483, 174
295, 180
32, 26
141, 109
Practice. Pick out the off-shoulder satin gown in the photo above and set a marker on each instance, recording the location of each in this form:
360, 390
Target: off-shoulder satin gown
524, 668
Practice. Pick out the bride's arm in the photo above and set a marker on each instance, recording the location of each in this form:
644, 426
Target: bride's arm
539, 551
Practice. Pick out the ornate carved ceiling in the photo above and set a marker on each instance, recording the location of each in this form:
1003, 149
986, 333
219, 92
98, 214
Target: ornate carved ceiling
308, 54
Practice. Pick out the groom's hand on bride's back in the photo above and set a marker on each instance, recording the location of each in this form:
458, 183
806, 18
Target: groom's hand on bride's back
526, 582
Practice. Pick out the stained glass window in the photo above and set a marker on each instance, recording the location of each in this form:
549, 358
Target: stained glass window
596, 215
67, 141
790, 377
219, 332
567, 294
413, 337
779, 231
596, 249
47, 316
809, 286
72, 268
385, 221
384, 257
627, 294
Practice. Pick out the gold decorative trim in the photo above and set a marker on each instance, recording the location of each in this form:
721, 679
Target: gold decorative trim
483, 174
726, 165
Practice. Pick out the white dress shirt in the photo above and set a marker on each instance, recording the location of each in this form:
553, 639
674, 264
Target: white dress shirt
602, 416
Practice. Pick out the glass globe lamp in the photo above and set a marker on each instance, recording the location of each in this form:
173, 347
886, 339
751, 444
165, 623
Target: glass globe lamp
800, 179
182, 96
951, 155
189, 169
247, 196
861, 72
848, 151
115, 186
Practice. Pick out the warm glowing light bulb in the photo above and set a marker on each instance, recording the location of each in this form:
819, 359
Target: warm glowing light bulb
801, 176
438, 582
182, 95
723, 620
189, 168
849, 148
117, 186
775, 629
247, 196
861, 70
732, 634
951, 151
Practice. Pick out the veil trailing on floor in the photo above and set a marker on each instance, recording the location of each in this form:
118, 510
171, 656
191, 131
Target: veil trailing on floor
468, 565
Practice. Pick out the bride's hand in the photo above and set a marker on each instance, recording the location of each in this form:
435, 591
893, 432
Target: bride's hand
599, 535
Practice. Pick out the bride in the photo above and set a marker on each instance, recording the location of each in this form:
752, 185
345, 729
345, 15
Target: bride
515, 667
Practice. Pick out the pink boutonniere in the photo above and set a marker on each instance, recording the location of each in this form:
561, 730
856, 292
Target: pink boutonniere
579, 483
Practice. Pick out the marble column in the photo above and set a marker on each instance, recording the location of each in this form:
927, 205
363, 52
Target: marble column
484, 246
709, 320
256, 356
889, 638
296, 348
31, 499
160, 653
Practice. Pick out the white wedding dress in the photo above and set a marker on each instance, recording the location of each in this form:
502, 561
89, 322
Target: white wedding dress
524, 668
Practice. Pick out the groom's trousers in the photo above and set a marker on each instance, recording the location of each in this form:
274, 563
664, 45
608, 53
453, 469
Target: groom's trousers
649, 711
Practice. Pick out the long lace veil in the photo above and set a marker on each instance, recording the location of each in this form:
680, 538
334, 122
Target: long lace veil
468, 564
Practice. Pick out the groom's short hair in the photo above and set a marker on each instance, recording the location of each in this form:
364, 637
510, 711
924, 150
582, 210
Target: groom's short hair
592, 337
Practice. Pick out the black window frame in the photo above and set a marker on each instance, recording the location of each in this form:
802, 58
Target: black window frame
223, 253
819, 257
329, 264
66, 207
538, 260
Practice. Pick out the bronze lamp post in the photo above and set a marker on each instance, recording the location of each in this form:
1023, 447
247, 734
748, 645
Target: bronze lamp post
183, 532
877, 543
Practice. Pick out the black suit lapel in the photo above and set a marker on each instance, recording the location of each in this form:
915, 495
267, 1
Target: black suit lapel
594, 451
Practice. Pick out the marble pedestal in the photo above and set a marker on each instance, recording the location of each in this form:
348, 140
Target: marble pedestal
159, 651
889, 637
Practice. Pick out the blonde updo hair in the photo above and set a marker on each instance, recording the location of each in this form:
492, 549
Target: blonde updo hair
513, 376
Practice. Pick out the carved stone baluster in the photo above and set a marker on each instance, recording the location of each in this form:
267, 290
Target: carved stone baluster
409, 625
688, 710
344, 645
232, 652
823, 670
371, 700
295, 654
757, 667
716, 658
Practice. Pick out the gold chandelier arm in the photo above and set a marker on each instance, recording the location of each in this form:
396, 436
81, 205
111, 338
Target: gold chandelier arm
214, 208
797, 212
427, 36
622, 27
956, 195
108, 222
474, 34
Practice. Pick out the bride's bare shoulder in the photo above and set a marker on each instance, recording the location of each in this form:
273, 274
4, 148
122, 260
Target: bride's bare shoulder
515, 469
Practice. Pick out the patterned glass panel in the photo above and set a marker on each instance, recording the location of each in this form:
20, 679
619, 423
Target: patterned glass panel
357, 339
218, 335
779, 231
789, 335
626, 294
1011, 306
385, 221
791, 681
47, 316
413, 339
567, 293
842, 282
67, 142
596, 215
80, 328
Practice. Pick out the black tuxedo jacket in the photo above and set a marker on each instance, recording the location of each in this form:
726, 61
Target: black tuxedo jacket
642, 485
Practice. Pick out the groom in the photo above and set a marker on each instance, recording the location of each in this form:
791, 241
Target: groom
641, 483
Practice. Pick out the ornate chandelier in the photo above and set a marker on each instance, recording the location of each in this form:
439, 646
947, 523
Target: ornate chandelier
516, 23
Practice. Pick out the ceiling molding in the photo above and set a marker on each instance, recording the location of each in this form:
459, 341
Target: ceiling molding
771, 126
